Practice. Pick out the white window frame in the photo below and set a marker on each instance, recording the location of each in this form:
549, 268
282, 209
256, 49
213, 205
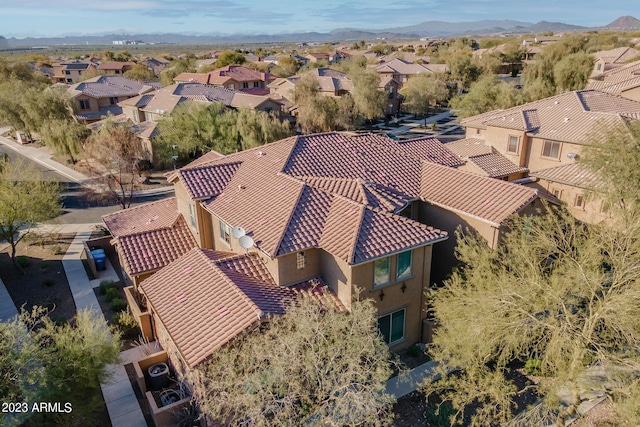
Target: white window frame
517, 140
192, 214
225, 232
550, 141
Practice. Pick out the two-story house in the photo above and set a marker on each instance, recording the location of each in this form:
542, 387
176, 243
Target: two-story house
232, 77
71, 72
546, 137
623, 81
98, 97
115, 68
325, 213
402, 70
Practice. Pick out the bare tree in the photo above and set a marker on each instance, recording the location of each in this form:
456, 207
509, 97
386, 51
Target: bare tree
113, 156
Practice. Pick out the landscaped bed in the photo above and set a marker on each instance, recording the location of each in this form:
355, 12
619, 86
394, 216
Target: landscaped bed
40, 280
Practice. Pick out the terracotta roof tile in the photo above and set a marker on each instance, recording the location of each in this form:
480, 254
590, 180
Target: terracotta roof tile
485, 198
207, 181
382, 233
153, 249
425, 148
464, 148
109, 86
573, 174
205, 299
342, 228
147, 217
571, 116
496, 165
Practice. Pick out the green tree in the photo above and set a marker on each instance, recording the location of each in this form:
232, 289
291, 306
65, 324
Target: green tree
423, 92
463, 70
248, 129
65, 137
487, 94
312, 366
230, 57
176, 67
572, 72
141, 73
287, 66
26, 199
512, 55
41, 361
367, 96
555, 291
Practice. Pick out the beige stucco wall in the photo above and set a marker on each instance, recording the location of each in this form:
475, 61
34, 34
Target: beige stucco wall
394, 298
288, 269
591, 209
444, 252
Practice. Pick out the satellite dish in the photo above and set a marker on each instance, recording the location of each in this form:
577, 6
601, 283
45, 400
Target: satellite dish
246, 242
238, 232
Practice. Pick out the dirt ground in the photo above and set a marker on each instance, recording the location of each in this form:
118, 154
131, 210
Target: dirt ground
43, 282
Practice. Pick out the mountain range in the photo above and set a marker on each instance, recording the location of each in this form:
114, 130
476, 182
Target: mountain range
424, 29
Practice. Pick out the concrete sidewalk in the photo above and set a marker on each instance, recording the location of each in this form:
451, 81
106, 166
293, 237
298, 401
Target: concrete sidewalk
411, 381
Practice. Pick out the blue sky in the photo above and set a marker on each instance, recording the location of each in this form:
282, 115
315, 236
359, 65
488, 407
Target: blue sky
38, 18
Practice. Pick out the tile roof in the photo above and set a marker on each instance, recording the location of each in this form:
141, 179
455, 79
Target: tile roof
488, 199
399, 66
109, 86
485, 158
166, 99
570, 117
618, 55
147, 217
205, 298
153, 249
340, 193
573, 174
496, 165
115, 65
468, 147
222, 75
424, 148
140, 101
102, 113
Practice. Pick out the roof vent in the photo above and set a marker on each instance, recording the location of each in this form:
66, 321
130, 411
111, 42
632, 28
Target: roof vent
556, 102
241, 187
261, 153
566, 119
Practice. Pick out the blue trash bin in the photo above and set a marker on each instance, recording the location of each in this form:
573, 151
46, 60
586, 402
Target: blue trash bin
100, 258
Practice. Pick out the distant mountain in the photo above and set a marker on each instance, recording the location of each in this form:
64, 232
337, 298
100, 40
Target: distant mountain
625, 22
545, 26
442, 28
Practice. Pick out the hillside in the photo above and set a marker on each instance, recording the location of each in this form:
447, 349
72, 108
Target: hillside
625, 22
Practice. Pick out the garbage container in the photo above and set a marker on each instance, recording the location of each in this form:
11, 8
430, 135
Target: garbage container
158, 375
100, 258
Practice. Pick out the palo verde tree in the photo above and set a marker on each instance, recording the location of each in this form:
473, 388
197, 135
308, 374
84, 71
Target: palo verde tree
41, 361
559, 293
26, 199
314, 365
488, 93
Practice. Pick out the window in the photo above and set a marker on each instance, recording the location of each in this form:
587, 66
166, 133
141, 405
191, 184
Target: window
301, 260
84, 104
478, 131
599, 67
403, 265
256, 84
557, 193
381, 272
192, 214
579, 201
391, 326
551, 149
225, 232
113, 100
245, 85
69, 81
67, 72
232, 86
512, 146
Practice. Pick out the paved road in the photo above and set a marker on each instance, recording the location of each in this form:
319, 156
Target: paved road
77, 209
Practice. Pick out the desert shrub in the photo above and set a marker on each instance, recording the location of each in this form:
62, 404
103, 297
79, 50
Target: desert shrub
55, 249
105, 285
126, 323
48, 282
44, 265
23, 261
112, 294
414, 351
118, 304
532, 366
